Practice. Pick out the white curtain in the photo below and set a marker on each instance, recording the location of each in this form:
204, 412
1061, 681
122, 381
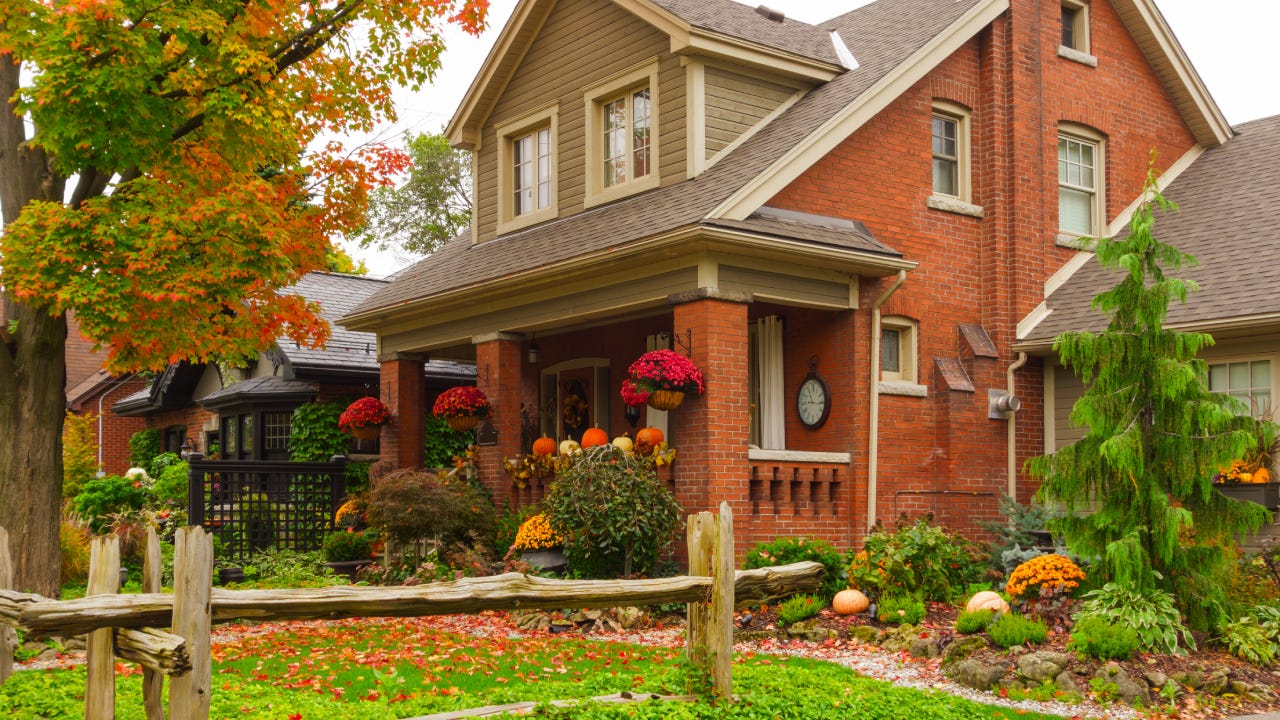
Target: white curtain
772, 402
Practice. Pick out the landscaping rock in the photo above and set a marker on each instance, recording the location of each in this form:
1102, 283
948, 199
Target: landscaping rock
74, 643
1216, 683
1193, 679
533, 621
924, 647
962, 648
1066, 682
1126, 689
973, 674
1042, 666
49, 654
1012, 684
898, 638
629, 617
811, 630
1155, 679
864, 634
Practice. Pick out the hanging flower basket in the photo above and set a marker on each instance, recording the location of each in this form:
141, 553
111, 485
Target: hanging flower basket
661, 378
461, 407
665, 399
364, 418
366, 432
463, 423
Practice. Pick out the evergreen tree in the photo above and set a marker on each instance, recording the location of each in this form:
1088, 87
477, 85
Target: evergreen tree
1137, 487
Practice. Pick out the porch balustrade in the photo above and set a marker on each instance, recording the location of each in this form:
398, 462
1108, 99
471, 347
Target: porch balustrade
797, 487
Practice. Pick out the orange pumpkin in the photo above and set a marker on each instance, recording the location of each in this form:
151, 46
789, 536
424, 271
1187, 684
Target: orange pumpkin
848, 602
650, 436
1263, 475
544, 446
594, 437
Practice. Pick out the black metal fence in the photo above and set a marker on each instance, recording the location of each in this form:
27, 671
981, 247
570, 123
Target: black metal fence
250, 505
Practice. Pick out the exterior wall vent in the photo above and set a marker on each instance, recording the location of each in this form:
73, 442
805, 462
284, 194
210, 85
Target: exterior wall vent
770, 13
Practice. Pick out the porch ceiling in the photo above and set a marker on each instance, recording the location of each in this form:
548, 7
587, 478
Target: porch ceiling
632, 282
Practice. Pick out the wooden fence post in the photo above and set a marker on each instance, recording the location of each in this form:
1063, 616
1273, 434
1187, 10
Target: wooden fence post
192, 604
100, 665
152, 680
720, 631
8, 639
702, 532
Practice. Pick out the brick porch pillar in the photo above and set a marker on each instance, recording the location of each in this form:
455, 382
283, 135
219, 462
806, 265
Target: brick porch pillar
402, 391
498, 374
710, 432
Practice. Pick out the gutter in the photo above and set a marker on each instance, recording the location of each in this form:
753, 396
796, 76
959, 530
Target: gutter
873, 435
1013, 426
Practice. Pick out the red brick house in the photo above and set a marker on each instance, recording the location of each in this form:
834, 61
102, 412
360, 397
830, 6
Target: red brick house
879, 201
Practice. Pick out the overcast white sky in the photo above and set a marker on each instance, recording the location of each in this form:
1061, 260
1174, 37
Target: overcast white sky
1231, 43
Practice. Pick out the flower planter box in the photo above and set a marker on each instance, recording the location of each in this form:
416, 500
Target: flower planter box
548, 560
1265, 494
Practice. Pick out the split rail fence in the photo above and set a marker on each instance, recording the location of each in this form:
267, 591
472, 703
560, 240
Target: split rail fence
125, 626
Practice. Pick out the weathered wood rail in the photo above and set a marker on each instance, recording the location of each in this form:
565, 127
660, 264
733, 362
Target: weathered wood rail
124, 625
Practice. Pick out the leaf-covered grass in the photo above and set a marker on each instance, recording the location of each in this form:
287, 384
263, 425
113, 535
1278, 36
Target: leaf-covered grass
404, 668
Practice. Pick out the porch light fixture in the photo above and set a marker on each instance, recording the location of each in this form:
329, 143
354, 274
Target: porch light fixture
631, 413
533, 353
185, 451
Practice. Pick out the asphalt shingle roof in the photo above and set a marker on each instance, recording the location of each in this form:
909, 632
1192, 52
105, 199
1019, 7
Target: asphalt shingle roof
881, 36
1228, 218
337, 295
740, 21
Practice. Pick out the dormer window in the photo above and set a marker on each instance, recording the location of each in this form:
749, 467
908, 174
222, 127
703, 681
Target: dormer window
527, 170
622, 135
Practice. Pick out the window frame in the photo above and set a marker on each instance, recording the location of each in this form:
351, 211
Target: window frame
908, 349
1097, 208
1079, 29
1229, 360
509, 132
961, 116
594, 100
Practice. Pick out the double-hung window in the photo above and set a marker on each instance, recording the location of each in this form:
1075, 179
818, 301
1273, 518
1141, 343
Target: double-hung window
1248, 381
949, 144
946, 155
1080, 185
531, 176
527, 170
622, 135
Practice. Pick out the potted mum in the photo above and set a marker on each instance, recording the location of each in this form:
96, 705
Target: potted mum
661, 378
364, 418
539, 545
461, 407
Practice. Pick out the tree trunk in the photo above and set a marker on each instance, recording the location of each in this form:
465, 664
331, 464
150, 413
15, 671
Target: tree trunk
32, 374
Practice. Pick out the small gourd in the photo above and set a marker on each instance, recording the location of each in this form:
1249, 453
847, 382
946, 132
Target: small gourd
544, 446
987, 600
594, 437
570, 447
848, 602
624, 443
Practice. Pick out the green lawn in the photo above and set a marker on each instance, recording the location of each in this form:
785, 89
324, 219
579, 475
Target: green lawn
404, 668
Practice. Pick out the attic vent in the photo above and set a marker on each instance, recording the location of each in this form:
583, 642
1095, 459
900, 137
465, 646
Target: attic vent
770, 13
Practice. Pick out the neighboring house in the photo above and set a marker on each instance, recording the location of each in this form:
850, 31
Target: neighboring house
877, 201
244, 412
1227, 218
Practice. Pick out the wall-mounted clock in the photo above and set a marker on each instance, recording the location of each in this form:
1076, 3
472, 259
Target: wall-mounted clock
813, 400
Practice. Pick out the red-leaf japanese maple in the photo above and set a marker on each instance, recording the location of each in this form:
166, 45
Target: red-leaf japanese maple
161, 176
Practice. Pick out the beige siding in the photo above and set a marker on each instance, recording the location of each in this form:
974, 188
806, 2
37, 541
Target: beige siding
786, 288
581, 44
1067, 389
735, 103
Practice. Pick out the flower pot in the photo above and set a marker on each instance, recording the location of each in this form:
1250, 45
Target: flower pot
665, 399
349, 568
551, 559
367, 432
1265, 494
463, 423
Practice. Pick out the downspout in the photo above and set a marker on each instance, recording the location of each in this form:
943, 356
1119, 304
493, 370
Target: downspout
873, 433
1013, 427
103, 396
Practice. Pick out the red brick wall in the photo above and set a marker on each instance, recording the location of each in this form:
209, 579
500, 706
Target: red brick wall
942, 454
401, 389
115, 430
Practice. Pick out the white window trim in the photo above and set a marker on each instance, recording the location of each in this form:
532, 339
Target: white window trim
908, 345
509, 131
1274, 358
594, 100
1083, 48
1081, 133
961, 201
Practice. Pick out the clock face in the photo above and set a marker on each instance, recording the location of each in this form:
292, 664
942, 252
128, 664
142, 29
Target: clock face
811, 402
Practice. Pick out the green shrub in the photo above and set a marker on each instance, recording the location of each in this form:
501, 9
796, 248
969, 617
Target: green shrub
1014, 543
1255, 637
787, 550
612, 511
800, 607
162, 462
170, 488
344, 546
443, 443
278, 568
79, 453
1152, 615
968, 623
1010, 629
143, 446
900, 609
73, 538
106, 496
917, 559
411, 505
1101, 640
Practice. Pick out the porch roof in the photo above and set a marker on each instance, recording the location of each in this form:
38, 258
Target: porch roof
259, 390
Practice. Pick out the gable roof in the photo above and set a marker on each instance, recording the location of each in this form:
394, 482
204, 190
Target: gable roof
1228, 210
895, 43
347, 350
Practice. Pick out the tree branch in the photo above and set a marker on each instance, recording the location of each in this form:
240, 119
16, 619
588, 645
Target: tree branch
92, 183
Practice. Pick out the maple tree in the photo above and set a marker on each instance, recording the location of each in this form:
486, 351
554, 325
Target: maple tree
162, 173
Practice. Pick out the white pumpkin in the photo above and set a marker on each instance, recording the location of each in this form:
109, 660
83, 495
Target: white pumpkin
624, 443
987, 600
569, 447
